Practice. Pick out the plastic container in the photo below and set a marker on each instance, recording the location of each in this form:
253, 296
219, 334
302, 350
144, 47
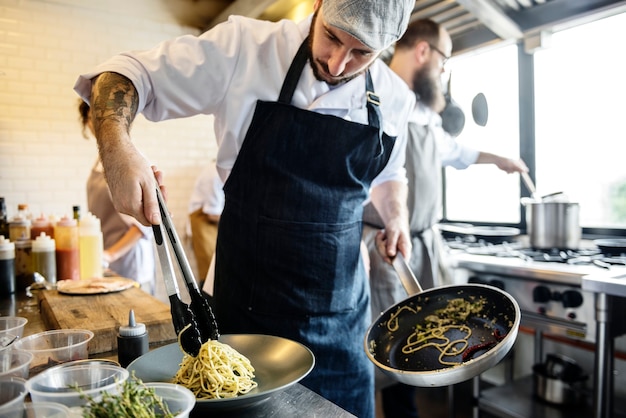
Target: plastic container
7, 267
58, 384
12, 325
67, 258
132, 341
41, 410
39, 225
15, 363
7, 342
179, 400
12, 394
51, 348
44, 257
91, 246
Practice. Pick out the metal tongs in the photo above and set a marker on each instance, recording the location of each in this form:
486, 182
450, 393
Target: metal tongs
195, 323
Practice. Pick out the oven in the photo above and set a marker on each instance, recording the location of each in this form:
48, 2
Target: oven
547, 284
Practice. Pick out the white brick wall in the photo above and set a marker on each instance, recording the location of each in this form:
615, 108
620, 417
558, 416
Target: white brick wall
44, 45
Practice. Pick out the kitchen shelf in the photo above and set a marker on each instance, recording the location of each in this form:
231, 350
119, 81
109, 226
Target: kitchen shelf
516, 400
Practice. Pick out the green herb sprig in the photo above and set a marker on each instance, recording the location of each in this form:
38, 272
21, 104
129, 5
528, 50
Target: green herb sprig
134, 400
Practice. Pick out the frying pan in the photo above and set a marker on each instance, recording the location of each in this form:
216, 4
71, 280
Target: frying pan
494, 330
611, 246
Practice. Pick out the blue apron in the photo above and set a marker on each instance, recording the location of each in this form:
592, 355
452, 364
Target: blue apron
287, 256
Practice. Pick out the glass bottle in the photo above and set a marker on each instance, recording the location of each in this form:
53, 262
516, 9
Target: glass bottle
76, 212
4, 221
24, 212
90, 246
24, 273
67, 258
7, 267
19, 227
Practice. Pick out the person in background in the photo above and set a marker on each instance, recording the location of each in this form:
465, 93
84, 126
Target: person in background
128, 245
205, 207
419, 59
309, 124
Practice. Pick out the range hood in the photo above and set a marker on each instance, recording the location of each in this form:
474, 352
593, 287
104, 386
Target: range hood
471, 23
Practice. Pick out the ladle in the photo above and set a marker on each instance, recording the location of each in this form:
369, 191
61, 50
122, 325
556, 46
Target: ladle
529, 185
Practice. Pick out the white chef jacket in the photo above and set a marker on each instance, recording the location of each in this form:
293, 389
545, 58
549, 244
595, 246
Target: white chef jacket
227, 69
451, 152
208, 193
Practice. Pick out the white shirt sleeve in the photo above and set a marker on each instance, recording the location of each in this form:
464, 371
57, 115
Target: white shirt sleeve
451, 152
227, 69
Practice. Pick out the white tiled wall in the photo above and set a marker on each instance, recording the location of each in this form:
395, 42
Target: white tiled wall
44, 45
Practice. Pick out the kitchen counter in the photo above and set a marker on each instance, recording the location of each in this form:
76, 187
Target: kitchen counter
293, 402
296, 401
610, 283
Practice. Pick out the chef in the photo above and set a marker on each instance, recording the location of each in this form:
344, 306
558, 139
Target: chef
309, 125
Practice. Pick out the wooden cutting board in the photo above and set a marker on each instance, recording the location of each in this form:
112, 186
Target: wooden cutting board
103, 314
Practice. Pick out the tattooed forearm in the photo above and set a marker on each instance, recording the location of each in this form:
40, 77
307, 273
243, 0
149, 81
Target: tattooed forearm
113, 99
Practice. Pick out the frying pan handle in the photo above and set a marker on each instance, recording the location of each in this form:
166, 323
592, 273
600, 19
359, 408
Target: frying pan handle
408, 279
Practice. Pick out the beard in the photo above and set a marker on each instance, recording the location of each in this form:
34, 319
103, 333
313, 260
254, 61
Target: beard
427, 89
320, 69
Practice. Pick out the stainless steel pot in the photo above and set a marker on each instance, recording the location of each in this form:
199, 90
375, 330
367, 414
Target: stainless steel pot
553, 224
560, 383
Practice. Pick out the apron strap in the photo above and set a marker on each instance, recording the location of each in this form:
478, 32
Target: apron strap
373, 110
293, 76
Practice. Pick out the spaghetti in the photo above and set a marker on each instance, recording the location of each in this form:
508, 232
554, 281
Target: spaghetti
219, 371
444, 330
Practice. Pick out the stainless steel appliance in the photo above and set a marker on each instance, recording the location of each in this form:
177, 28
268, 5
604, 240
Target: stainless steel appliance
547, 284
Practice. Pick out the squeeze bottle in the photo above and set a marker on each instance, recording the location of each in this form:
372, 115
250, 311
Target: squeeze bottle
90, 246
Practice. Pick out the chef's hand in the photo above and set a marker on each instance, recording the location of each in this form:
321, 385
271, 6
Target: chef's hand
132, 182
505, 164
391, 240
510, 165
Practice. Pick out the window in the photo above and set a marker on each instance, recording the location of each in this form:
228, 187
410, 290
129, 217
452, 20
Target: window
483, 193
579, 138
580, 92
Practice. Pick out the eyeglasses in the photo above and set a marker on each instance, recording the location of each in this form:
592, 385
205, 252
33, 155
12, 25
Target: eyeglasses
445, 57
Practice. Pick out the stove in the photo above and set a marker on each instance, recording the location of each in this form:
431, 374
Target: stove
547, 284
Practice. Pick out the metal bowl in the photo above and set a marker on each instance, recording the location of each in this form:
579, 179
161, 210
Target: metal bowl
278, 363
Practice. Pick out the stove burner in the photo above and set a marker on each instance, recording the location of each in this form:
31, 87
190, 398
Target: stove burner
583, 256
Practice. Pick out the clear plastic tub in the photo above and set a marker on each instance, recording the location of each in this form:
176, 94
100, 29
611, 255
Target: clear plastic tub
65, 385
50, 348
178, 399
12, 393
12, 325
40, 410
15, 363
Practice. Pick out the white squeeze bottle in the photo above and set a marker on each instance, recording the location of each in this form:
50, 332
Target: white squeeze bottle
90, 244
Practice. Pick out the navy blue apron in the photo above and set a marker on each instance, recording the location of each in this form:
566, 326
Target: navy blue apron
287, 256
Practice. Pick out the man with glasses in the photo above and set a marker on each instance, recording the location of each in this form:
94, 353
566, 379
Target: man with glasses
419, 59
